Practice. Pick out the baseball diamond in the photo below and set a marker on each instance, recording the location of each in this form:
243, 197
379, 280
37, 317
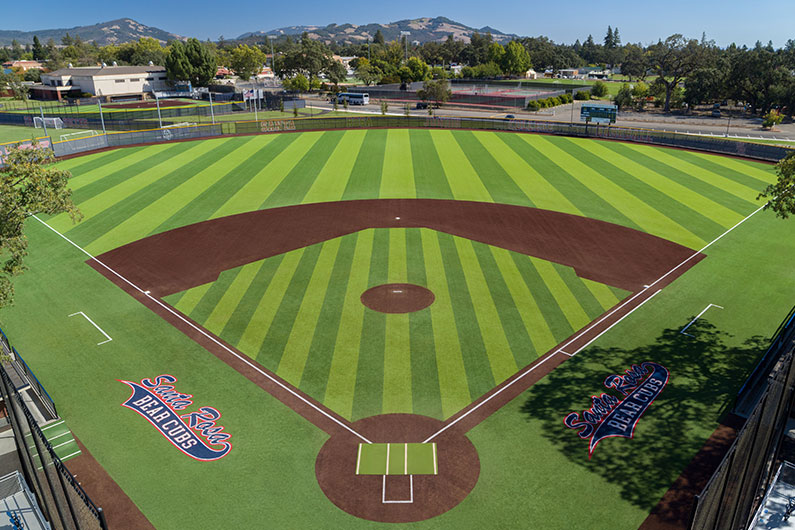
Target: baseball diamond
391, 325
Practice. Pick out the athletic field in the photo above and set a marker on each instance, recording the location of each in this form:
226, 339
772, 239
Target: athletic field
509, 276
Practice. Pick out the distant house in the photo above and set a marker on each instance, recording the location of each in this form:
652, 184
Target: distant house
265, 73
108, 81
531, 74
346, 61
23, 65
569, 73
222, 71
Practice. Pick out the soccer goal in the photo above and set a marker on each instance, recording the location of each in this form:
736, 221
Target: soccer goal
77, 135
51, 123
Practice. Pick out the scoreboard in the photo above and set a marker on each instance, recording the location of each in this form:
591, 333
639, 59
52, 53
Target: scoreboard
598, 113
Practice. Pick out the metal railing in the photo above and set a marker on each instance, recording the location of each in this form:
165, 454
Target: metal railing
26, 374
735, 490
63, 501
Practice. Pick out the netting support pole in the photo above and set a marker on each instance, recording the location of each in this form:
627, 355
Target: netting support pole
102, 116
102, 522
43, 123
212, 114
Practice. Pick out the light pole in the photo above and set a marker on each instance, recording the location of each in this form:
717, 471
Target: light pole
406, 34
729, 111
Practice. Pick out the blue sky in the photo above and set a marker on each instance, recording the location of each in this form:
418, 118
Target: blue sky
724, 21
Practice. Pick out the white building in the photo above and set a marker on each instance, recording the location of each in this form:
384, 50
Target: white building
108, 81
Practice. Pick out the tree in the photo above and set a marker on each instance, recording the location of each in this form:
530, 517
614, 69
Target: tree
14, 84
28, 185
379, 38
609, 39
38, 49
635, 63
781, 194
515, 60
437, 91
147, 50
640, 92
299, 83
335, 72
246, 61
771, 119
368, 73
624, 97
673, 60
190, 61
420, 71
599, 89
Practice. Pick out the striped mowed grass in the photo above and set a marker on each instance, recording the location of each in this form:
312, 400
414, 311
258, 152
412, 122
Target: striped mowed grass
299, 314
689, 198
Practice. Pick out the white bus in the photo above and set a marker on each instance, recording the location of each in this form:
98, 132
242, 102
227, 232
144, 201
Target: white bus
353, 98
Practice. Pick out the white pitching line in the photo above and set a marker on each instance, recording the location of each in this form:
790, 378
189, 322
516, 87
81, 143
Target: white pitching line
95, 325
208, 336
697, 317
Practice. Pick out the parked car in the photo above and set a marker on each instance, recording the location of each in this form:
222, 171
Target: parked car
422, 105
510, 117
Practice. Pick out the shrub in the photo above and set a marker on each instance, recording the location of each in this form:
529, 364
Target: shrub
533, 105
583, 95
771, 119
599, 89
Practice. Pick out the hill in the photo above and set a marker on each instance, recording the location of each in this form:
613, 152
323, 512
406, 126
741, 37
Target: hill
422, 29
112, 32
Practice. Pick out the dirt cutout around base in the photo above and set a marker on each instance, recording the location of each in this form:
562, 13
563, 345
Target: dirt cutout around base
397, 298
432, 495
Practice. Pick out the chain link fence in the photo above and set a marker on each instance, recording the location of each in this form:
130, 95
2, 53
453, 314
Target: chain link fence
62, 500
765, 152
737, 487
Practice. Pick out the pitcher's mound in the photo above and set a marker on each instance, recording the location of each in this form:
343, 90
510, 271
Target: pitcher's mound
397, 298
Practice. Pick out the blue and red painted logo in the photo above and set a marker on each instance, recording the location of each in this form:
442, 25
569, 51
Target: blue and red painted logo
610, 416
194, 433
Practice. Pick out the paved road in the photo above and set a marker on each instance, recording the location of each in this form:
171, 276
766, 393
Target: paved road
738, 127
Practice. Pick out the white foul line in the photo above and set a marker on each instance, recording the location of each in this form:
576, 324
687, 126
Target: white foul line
95, 325
208, 336
358, 459
697, 317
585, 330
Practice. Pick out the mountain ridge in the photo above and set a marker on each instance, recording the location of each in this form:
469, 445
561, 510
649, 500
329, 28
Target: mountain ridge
422, 29
116, 31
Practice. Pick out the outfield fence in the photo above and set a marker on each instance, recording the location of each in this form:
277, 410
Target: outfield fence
62, 500
765, 152
738, 486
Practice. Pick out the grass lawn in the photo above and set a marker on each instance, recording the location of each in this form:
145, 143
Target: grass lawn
14, 133
534, 471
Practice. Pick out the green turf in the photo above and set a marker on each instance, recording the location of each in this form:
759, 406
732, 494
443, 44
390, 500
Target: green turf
396, 459
288, 320
533, 470
18, 133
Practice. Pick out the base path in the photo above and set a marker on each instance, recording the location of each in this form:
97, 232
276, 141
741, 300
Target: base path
193, 255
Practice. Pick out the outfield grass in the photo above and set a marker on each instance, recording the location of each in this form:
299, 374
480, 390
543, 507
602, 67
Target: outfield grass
534, 471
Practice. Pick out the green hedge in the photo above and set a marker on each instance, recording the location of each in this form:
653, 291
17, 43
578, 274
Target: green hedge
549, 102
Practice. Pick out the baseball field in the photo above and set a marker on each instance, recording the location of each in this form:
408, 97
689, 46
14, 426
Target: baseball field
363, 327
